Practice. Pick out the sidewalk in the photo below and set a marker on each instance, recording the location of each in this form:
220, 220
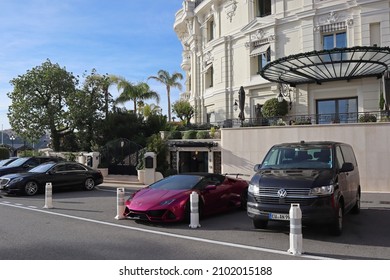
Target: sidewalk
375, 200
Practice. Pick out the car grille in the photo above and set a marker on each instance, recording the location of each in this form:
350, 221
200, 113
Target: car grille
153, 215
269, 195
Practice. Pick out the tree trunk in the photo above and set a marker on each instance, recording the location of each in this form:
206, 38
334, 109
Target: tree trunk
169, 103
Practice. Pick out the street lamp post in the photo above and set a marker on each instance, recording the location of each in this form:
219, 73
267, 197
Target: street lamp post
12, 138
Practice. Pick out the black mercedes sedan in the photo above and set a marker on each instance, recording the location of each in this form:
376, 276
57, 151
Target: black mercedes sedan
60, 174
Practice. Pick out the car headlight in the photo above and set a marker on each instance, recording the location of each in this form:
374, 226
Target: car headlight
254, 189
167, 202
324, 190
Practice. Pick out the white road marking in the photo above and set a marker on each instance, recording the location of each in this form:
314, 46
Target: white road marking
204, 240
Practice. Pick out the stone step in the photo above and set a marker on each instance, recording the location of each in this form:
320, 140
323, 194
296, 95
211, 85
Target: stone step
122, 179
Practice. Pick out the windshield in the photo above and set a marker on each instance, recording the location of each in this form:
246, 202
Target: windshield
177, 182
42, 168
299, 157
18, 162
4, 162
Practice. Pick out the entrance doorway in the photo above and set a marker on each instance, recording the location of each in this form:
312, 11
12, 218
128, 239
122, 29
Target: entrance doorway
193, 162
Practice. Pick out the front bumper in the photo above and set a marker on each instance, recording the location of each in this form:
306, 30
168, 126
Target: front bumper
316, 210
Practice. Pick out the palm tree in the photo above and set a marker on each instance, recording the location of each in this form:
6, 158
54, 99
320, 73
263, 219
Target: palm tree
135, 93
169, 81
151, 109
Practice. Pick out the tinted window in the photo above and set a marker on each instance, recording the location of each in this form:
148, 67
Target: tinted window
18, 162
339, 157
32, 162
177, 182
299, 156
42, 168
349, 155
75, 167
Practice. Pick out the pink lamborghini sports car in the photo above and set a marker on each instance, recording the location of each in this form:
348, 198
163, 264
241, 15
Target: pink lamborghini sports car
168, 200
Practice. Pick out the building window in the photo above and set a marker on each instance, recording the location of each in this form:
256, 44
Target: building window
209, 77
260, 57
375, 34
337, 110
210, 30
334, 40
263, 8
263, 59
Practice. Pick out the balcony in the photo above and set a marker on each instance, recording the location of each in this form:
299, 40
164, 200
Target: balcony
310, 119
186, 62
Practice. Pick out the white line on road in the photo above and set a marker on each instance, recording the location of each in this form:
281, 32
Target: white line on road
228, 244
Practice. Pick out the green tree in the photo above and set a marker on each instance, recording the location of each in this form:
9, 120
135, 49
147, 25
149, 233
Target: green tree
170, 81
183, 110
39, 102
150, 109
87, 108
133, 92
122, 123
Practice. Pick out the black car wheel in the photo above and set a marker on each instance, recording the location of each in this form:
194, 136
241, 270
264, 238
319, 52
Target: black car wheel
356, 208
336, 227
260, 224
31, 188
89, 184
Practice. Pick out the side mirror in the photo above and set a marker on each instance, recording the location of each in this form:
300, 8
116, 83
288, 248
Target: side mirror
347, 167
257, 167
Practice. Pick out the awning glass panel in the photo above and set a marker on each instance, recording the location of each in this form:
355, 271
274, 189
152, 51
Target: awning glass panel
327, 65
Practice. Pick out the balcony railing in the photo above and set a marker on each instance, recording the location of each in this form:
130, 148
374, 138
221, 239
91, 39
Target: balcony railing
311, 119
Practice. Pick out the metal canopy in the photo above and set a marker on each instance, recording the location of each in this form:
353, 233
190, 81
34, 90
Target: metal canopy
328, 65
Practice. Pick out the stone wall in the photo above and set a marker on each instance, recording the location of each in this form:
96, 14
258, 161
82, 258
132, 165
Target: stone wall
242, 148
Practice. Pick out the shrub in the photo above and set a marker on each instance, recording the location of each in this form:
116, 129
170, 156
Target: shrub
367, 118
274, 108
202, 134
174, 135
190, 134
141, 159
4, 153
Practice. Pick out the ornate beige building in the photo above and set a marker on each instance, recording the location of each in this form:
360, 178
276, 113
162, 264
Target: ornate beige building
325, 57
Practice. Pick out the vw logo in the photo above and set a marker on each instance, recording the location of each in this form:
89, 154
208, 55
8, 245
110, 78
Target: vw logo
282, 193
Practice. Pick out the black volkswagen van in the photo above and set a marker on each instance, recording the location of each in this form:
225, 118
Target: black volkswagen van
322, 177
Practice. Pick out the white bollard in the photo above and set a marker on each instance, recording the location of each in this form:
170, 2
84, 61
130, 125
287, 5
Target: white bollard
194, 206
295, 230
120, 206
48, 196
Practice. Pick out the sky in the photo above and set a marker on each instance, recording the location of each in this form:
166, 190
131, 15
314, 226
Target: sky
130, 38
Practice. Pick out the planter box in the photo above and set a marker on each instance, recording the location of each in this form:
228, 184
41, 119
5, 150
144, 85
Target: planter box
141, 176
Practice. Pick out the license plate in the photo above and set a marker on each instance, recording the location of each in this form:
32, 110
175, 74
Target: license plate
279, 216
